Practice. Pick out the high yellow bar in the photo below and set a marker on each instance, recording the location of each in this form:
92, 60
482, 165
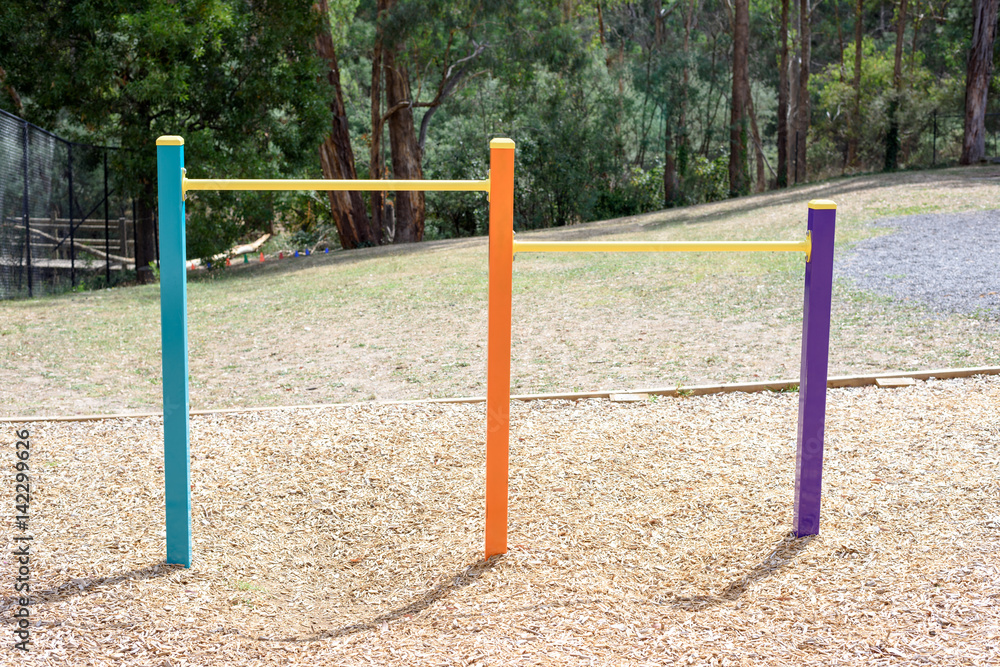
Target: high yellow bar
657, 246
326, 185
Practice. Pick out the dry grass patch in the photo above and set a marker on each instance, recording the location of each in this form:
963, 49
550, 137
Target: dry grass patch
650, 533
410, 322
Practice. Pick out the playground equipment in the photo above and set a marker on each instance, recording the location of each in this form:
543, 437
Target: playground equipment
173, 185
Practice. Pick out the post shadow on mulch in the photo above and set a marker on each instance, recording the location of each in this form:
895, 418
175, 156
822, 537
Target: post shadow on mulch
786, 551
783, 553
83, 585
455, 582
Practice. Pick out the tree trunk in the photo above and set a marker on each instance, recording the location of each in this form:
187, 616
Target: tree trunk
609, 59
855, 134
840, 36
709, 116
840, 42
406, 158
600, 23
739, 181
802, 121
794, 60
892, 136
677, 149
335, 153
375, 166
669, 169
918, 17
918, 20
783, 99
145, 238
11, 92
659, 33
761, 177
979, 71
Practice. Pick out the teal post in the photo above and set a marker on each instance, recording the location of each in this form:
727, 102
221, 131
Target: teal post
173, 322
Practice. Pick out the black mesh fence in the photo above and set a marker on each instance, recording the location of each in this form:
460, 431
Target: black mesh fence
941, 138
65, 223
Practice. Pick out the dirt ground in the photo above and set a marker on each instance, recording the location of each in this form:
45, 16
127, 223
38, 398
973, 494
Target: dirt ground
653, 533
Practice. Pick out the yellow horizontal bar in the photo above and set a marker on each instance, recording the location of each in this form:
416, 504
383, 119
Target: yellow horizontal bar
821, 204
341, 185
657, 246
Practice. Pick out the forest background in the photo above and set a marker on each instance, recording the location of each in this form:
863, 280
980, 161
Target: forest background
617, 108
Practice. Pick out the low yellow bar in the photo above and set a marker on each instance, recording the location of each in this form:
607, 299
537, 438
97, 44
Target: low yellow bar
656, 246
324, 184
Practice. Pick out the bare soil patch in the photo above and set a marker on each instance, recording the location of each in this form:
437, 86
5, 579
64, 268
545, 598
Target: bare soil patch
651, 533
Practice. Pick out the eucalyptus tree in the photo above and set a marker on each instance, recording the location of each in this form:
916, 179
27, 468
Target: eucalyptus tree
336, 153
418, 54
979, 72
739, 179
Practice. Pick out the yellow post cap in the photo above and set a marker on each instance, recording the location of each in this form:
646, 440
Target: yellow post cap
170, 140
502, 143
823, 204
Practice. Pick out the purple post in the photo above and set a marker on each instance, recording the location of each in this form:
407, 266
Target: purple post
815, 359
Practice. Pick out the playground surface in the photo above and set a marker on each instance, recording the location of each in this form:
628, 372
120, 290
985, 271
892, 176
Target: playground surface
647, 533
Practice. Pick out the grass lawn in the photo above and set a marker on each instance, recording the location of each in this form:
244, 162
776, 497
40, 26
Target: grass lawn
410, 322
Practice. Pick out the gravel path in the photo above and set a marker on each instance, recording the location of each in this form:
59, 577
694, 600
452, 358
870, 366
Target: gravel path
948, 261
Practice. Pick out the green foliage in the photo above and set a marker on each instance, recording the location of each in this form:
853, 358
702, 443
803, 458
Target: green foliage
237, 79
567, 151
571, 128
98, 280
922, 93
211, 230
341, 16
638, 191
708, 180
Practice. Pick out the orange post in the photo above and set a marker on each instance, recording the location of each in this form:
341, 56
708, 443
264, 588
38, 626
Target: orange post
498, 343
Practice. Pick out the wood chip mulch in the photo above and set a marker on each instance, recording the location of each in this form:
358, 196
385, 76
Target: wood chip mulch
642, 533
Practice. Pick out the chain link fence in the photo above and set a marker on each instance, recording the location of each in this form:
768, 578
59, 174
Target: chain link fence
64, 220
926, 140
942, 134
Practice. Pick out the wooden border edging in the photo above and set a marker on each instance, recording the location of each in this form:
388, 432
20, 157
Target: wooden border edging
693, 390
